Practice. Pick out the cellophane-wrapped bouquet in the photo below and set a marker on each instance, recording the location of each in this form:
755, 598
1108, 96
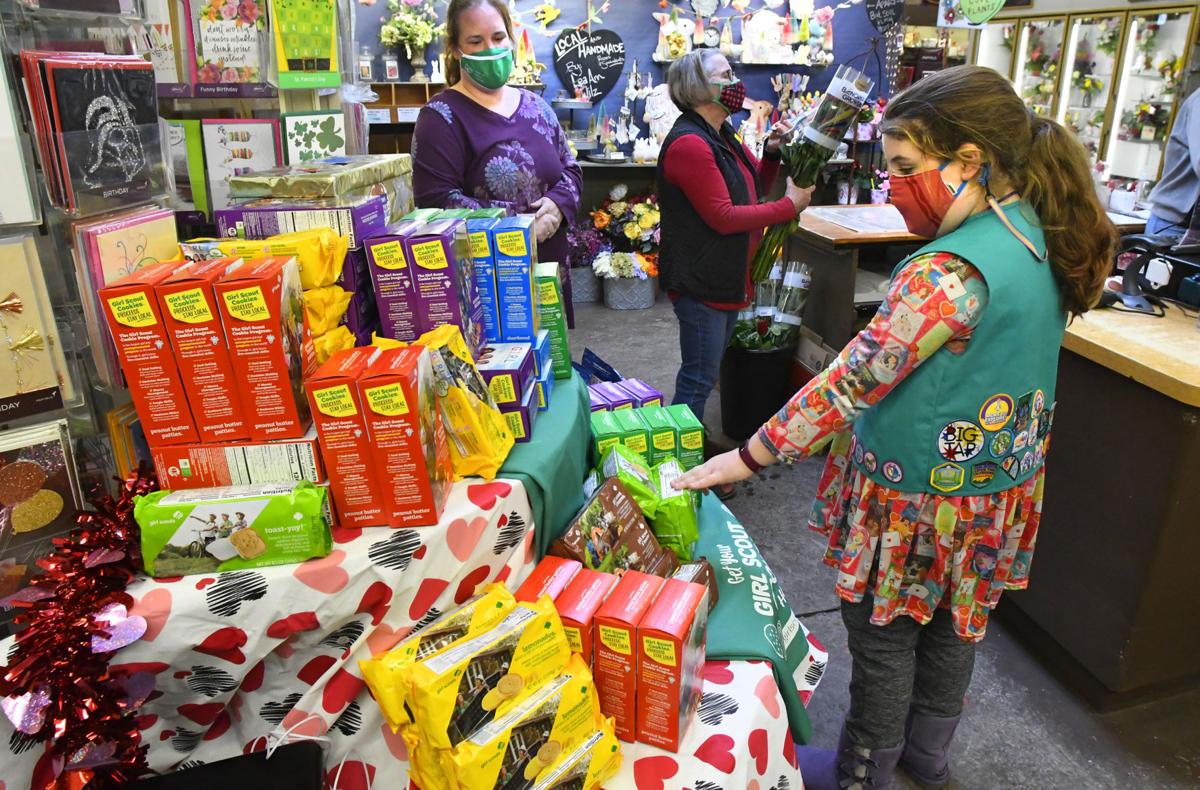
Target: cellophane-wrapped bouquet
805, 154
773, 320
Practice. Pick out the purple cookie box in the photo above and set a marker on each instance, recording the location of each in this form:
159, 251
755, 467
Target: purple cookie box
600, 402
263, 217
612, 393
527, 409
507, 359
642, 393
396, 300
446, 294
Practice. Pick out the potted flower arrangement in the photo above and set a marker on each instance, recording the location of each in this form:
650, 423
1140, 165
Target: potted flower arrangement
413, 24
866, 123
632, 226
586, 244
1147, 121
1090, 86
1169, 68
879, 185
1110, 34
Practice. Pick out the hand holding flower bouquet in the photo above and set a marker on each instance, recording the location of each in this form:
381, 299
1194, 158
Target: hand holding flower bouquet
806, 154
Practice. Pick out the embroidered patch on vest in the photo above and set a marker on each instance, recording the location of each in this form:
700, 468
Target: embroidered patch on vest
995, 412
947, 477
982, 473
892, 472
960, 441
1009, 465
1001, 443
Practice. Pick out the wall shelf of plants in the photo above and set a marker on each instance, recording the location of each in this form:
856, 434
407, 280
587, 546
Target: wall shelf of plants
1110, 76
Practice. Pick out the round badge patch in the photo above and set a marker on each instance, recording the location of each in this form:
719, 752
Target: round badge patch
1039, 402
1000, 444
859, 452
870, 462
996, 412
960, 441
892, 472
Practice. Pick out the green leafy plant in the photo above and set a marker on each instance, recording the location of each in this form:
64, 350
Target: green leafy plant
413, 24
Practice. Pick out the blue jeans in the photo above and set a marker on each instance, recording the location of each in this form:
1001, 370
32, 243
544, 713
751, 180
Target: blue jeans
703, 335
1157, 226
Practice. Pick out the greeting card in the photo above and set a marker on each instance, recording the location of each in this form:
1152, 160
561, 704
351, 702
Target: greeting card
167, 45
185, 146
38, 498
107, 250
306, 43
233, 147
18, 204
229, 47
33, 369
314, 135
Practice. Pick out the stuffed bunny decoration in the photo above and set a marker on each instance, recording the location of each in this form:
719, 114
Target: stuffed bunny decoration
660, 112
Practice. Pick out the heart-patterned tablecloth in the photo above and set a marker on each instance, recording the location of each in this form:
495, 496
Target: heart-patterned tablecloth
738, 740
238, 655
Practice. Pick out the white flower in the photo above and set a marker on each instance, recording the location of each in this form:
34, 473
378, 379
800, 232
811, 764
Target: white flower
618, 192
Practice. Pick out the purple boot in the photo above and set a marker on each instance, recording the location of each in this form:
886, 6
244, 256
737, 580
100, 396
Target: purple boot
926, 743
849, 768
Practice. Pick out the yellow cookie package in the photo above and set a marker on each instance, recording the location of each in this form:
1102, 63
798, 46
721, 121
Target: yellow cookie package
333, 341
480, 440
385, 674
320, 252
464, 687
586, 767
520, 747
325, 306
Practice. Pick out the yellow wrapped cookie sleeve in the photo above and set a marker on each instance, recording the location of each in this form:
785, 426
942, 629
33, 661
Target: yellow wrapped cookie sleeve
520, 746
320, 252
325, 306
424, 763
384, 673
465, 687
480, 439
588, 766
386, 342
333, 341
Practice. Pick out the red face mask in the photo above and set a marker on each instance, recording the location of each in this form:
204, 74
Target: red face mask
923, 199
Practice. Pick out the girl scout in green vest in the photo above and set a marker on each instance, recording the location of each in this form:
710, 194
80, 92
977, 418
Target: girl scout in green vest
937, 416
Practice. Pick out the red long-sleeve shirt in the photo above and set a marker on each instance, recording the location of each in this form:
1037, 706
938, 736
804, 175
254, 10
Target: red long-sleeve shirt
689, 165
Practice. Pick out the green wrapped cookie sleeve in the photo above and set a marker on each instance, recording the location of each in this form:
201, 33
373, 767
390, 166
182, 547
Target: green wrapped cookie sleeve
631, 469
676, 523
211, 530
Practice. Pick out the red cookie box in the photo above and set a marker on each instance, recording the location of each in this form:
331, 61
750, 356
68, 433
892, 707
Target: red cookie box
144, 349
240, 463
670, 647
550, 577
189, 310
411, 452
341, 423
270, 347
615, 636
577, 607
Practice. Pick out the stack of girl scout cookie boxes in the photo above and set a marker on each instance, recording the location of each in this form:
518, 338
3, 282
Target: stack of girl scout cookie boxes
509, 304
631, 413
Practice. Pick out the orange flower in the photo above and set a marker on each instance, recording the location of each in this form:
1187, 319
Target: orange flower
601, 219
649, 263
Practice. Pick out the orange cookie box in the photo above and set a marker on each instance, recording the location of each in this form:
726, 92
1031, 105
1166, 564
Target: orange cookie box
577, 607
144, 349
615, 667
670, 648
262, 308
411, 452
338, 412
189, 310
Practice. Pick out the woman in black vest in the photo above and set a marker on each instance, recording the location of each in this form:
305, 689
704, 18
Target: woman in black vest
709, 187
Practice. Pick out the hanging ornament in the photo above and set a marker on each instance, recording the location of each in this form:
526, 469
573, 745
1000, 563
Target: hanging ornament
30, 340
12, 303
726, 43
698, 33
706, 7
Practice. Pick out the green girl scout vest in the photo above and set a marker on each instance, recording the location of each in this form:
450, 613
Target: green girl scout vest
976, 422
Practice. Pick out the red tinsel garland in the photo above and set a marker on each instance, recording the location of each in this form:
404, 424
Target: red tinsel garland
58, 676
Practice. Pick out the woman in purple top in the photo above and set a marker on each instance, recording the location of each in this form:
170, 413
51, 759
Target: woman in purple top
482, 143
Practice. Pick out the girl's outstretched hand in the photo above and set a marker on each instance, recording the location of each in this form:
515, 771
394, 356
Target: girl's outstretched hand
718, 470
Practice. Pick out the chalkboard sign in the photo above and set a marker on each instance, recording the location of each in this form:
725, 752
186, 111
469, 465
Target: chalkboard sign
589, 63
884, 14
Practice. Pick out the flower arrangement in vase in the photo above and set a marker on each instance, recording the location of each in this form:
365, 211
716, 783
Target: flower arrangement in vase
1110, 34
1147, 121
1169, 68
413, 24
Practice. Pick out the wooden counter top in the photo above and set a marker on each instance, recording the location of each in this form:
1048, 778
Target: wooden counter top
830, 233
1161, 353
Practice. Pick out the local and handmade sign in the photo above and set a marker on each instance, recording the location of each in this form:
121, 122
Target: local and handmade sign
884, 14
589, 63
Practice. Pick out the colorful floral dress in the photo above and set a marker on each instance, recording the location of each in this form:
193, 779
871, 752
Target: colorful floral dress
467, 156
959, 552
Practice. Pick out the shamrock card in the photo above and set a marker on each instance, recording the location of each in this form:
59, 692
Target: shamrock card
314, 135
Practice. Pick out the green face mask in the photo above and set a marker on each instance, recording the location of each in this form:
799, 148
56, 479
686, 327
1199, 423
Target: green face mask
490, 68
